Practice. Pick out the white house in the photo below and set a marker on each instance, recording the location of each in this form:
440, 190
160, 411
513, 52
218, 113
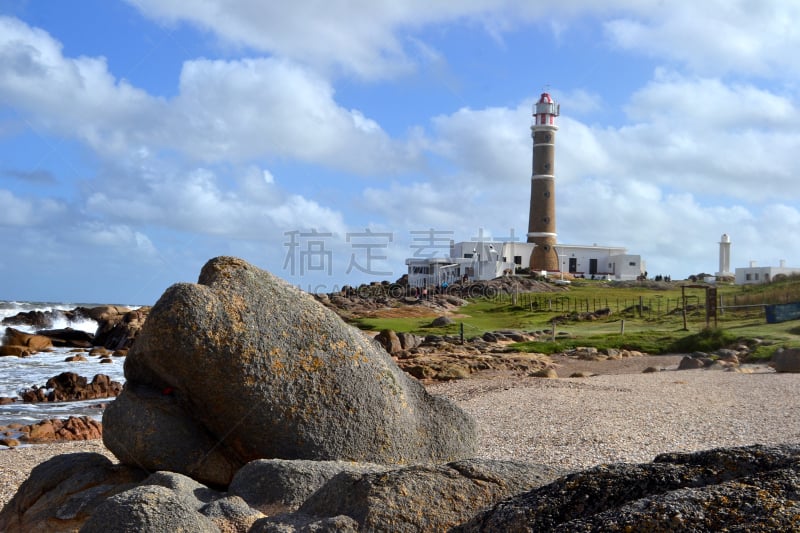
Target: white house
753, 274
484, 260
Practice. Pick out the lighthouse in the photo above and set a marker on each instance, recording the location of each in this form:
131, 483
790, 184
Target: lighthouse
542, 218
724, 256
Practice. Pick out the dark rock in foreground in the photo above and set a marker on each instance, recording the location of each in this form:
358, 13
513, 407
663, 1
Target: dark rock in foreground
755, 488
243, 366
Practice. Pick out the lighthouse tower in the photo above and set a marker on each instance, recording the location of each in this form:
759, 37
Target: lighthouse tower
542, 218
724, 256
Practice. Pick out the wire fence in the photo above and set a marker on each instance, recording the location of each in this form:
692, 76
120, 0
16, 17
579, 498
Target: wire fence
644, 307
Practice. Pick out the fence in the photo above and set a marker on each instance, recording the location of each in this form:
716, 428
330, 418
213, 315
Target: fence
644, 307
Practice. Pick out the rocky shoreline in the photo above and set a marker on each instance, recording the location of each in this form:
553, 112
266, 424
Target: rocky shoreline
298, 422
619, 416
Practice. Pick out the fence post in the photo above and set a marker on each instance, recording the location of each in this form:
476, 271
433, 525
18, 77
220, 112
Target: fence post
622, 327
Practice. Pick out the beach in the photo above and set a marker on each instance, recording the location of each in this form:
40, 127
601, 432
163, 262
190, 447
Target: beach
620, 415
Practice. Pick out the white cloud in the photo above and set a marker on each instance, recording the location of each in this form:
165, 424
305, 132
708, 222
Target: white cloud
17, 211
361, 38
225, 110
492, 145
74, 97
234, 110
715, 36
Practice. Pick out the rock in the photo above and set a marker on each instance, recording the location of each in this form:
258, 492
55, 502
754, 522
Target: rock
75, 359
743, 489
61, 493
243, 366
71, 429
68, 337
9, 442
408, 341
34, 343
581, 374
36, 319
277, 485
489, 337
650, 370
305, 524
147, 508
441, 321
389, 340
423, 497
546, 372
99, 351
69, 386
14, 350
231, 514
786, 360
118, 326
691, 363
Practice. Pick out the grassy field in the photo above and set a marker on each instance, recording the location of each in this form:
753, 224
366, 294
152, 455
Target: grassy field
646, 317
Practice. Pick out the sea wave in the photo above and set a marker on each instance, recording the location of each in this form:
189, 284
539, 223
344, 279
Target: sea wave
18, 373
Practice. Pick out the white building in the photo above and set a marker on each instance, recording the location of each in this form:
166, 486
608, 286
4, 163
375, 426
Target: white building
753, 274
484, 260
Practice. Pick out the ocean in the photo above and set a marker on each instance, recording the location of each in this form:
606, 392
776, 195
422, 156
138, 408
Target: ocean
18, 373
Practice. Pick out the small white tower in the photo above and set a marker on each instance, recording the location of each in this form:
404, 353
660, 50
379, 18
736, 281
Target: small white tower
724, 256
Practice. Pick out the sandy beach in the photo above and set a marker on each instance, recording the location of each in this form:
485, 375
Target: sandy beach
620, 415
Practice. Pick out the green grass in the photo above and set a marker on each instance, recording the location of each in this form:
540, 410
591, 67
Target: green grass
651, 316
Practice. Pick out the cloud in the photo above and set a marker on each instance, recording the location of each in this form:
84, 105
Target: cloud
38, 176
16, 211
359, 38
225, 110
235, 110
716, 36
238, 204
493, 145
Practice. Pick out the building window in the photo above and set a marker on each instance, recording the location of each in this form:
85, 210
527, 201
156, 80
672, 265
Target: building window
467, 256
517, 259
747, 277
420, 270
632, 263
756, 276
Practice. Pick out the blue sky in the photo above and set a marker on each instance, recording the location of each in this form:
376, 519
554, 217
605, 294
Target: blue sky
140, 138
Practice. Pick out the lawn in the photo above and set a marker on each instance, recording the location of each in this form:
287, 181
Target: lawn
647, 318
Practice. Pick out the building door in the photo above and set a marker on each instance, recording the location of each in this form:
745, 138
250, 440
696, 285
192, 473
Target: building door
573, 264
592, 266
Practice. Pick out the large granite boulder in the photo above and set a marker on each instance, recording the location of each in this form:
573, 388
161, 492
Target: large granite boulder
243, 366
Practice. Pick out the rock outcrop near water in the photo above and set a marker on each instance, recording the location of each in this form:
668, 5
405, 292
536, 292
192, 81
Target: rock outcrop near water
250, 407
243, 366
